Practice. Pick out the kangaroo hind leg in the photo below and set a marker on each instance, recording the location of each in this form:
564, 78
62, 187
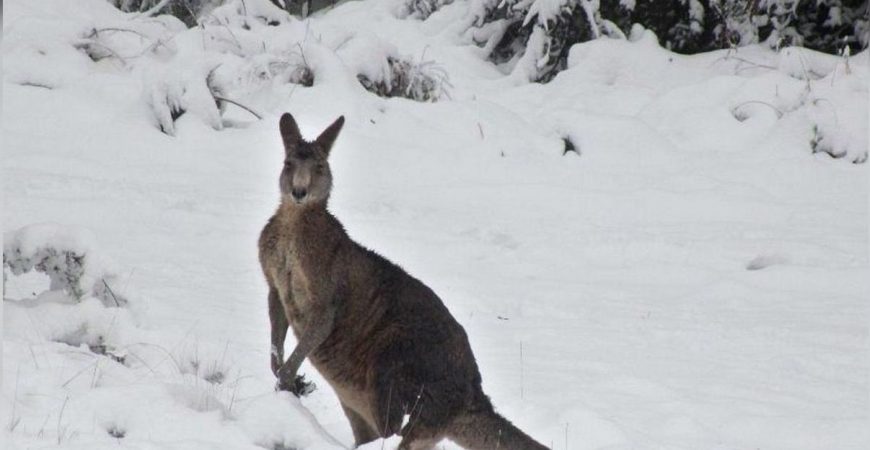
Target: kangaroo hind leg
487, 430
363, 433
420, 438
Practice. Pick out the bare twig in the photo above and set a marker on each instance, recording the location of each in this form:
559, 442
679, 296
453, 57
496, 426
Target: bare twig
805, 70
33, 355
778, 111
112, 293
13, 420
97, 31
233, 35
144, 363
94, 376
161, 348
59, 418
753, 64
387, 418
36, 85
847, 53
521, 371
302, 54
345, 41
411, 421
224, 99
155, 42
41, 431
127, 283
81, 371
91, 42
155, 9
151, 47
186, 6
292, 90
566, 434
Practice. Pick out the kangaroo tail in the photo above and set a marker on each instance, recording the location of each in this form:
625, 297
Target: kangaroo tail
487, 430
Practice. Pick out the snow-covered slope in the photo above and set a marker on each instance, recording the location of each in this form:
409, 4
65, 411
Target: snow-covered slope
692, 276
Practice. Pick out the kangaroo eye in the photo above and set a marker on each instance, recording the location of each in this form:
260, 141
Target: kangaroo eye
320, 168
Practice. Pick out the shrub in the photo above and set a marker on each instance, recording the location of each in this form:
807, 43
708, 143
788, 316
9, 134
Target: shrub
66, 256
425, 81
188, 11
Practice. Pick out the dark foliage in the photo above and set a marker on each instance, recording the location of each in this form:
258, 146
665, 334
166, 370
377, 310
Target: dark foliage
185, 10
684, 26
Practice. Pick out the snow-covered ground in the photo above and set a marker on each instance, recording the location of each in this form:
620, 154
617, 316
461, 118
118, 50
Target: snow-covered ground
693, 276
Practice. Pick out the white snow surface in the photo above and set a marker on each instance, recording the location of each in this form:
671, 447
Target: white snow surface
692, 277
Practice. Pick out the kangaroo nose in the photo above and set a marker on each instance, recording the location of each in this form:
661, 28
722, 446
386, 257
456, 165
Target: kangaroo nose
299, 193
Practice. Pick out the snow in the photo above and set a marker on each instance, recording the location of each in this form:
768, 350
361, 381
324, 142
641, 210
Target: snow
694, 276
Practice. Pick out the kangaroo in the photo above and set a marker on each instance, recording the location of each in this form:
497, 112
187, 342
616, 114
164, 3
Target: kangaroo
381, 338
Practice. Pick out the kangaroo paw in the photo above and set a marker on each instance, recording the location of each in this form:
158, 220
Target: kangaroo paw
298, 387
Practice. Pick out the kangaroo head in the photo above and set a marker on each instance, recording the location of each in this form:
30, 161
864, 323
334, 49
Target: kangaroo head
306, 178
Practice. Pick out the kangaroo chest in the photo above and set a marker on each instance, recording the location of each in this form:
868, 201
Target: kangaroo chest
293, 281
299, 260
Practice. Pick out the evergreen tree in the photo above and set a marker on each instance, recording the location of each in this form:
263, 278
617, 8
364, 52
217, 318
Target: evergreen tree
534, 36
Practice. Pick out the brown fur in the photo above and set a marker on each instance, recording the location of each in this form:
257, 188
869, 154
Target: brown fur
383, 340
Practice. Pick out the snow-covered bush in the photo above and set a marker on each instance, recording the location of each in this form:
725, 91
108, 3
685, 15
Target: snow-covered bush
66, 255
240, 53
422, 9
127, 42
88, 324
200, 70
170, 94
421, 81
289, 68
836, 145
382, 70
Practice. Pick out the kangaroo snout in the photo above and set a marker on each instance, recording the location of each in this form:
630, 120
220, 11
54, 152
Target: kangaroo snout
299, 194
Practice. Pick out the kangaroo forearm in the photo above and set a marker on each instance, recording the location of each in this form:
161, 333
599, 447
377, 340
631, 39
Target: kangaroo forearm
300, 352
279, 335
315, 332
276, 351
291, 366
278, 320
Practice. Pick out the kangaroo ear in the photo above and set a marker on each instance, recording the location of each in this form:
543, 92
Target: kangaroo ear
327, 138
289, 131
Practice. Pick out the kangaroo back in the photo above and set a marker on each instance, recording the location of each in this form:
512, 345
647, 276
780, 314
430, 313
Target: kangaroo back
487, 430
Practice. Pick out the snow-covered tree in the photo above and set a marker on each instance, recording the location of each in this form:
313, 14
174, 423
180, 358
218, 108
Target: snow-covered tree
532, 37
